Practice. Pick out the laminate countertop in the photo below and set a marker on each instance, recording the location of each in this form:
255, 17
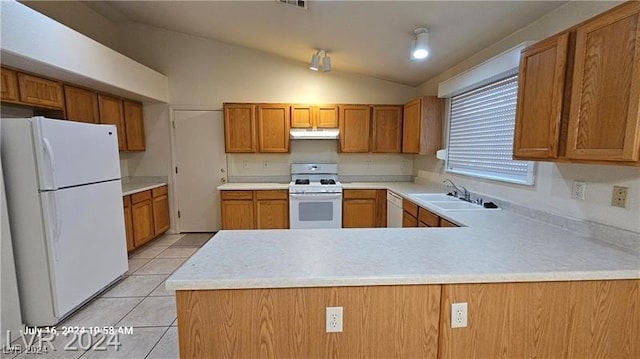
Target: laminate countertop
493, 246
134, 187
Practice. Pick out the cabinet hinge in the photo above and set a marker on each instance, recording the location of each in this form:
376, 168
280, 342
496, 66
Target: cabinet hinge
178, 214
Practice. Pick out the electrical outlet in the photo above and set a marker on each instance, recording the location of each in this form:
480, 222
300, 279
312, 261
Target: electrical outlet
579, 190
265, 164
334, 319
368, 164
619, 196
458, 315
245, 165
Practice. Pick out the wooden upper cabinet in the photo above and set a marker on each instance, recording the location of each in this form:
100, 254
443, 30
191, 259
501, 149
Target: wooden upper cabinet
134, 125
422, 125
355, 124
239, 127
81, 104
40, 92
387, 129
9, 85
112, 113
319, 116
273, 128
326, 116
604, 119
301, 116
541, 88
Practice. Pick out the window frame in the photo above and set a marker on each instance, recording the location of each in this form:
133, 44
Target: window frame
530, 172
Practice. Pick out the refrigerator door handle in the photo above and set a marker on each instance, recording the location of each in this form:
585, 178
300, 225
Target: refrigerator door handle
48, 170
53, 220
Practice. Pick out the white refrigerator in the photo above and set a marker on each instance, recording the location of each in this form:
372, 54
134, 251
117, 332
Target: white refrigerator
64, 197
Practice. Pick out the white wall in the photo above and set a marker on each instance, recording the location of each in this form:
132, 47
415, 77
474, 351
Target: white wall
33, 42
552, 191
81, 18
319, 151
206, 73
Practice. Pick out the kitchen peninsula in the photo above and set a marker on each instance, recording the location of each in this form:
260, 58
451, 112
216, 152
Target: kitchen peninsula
532, 289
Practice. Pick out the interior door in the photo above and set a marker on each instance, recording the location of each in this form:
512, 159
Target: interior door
202, 167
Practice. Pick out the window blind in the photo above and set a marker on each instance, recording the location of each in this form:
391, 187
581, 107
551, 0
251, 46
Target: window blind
481, 126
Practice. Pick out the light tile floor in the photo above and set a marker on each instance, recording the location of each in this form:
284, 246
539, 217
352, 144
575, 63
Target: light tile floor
139, 300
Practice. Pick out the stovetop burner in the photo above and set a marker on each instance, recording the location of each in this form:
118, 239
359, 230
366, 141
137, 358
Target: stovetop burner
327, 181
315, 178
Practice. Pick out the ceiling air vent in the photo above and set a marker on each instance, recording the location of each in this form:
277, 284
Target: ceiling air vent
303, 4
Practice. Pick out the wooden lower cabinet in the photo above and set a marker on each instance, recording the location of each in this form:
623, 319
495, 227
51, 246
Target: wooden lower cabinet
583, 319
262, 209
428, 218
579, 319
416, 216
128, 223
364, 208
408, 220
272, 209
160, 210
237, 210
379, 322
146, 216
142, 214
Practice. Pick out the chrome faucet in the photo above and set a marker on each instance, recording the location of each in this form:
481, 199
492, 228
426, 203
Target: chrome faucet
460, 192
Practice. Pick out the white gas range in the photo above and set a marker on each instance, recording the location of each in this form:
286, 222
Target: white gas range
315, 196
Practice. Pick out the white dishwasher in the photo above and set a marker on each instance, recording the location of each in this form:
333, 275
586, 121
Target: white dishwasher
394, 210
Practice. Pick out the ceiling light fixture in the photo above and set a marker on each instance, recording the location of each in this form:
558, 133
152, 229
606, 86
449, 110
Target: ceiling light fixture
420, 49
315, 61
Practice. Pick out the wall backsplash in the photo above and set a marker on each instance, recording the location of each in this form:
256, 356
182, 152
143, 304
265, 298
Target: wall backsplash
318, 151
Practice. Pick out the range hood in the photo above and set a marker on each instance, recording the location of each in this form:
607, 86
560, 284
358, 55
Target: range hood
318, 134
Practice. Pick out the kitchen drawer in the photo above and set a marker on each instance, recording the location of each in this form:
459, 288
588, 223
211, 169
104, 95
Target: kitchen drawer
408, 220
126, 201
359, 193
236, 195
445, 223
272, 194
140, 196
428, 218
157, 192
410, 207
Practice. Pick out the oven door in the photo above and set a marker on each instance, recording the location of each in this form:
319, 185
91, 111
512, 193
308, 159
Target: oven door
315, 210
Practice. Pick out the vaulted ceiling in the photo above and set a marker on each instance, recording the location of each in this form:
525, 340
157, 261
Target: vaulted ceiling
371, 38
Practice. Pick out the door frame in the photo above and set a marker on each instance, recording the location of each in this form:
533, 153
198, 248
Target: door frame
172, 145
